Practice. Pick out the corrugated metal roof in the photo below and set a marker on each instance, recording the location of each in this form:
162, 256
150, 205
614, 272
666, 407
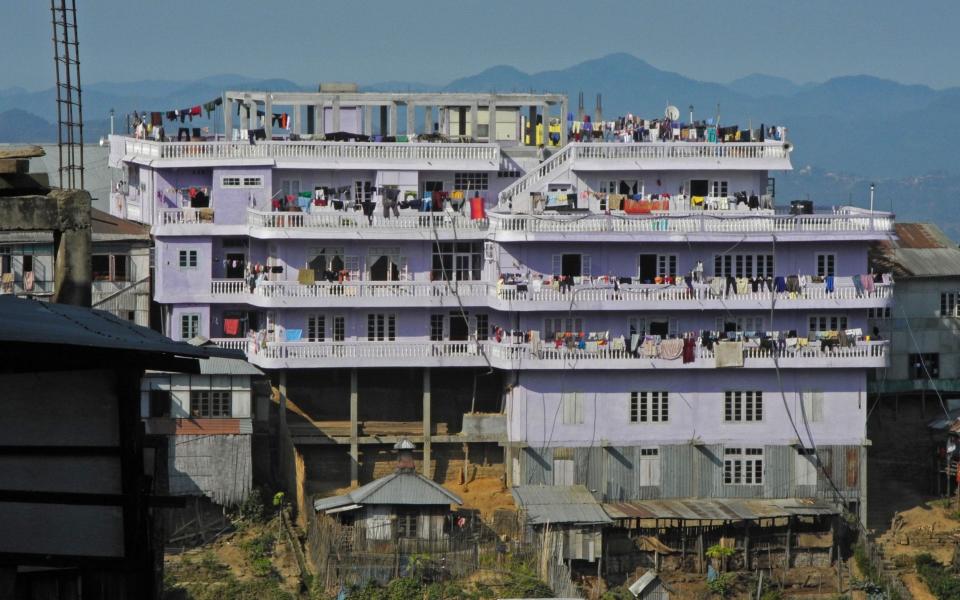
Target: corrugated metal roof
697, 509
33, 322
559, 504
641, 584
227, 366
104, 224
401, 487
919, 250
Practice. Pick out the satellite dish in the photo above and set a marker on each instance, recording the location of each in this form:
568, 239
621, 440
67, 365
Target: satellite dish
672, 113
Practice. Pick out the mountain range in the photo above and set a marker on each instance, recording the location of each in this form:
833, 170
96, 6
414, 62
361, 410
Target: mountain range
847, 131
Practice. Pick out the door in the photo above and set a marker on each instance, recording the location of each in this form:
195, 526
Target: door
571, 265
647, 270
699, 187
459, 327
236, 263
384, 269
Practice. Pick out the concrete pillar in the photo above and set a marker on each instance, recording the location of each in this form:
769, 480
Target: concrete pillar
392, 119
443, 120
72, 245
862, 505
428, 119
354, 429
227, 118
383, 120
367, 120
244, 115
295, 125
532, 119
282, 407
336, 113
268, 116
564, 109
473, 121
492, 121
411, 115
427, 429
545, 117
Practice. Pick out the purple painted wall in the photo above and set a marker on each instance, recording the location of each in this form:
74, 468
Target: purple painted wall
696, 407
174, 281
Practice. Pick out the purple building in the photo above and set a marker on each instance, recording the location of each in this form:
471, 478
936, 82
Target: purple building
629, 309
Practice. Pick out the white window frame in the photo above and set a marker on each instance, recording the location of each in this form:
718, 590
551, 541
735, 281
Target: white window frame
743, 265
811, 405
338, 332
649, 467
667, 265
471, 181
826, 264
950, 304
550, 325
743, 323
649, 407
743, 406
742, 465
586, 264
189, 322
217, 404
611, 186
241, 181
821, 323
383, 324
187, 259
719, 188
316, 327
571, 408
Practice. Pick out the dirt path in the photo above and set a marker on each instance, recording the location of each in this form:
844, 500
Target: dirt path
916, 587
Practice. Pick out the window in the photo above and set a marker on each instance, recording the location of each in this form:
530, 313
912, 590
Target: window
649, 466
948, 304
511, 172
718, 189
743, 466
241, 182
667, 265
483, 328
572, 408
743, 265
571, 265
381, 327
457, 261
188, 259
289, 187
922, 364
210, 403
362, 191
563, 466
407, 523
742, 406
436, 328
826, 265
120, 267
812, 406
878, 313
339, 328
316, 328
730, 323
828, 323
189, 326
470, 181
649, 407
107, 267
806, 467
159, 403
552, 327
622, 186
28, 264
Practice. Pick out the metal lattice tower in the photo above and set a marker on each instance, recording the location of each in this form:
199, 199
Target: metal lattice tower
66, 57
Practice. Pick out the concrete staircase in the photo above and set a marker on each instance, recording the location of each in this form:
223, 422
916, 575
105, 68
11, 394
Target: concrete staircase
537, 178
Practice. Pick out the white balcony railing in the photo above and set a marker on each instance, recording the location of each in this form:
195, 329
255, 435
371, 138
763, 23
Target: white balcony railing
318, 151
674, 293
185, 216
369, 350
352, 289
694, 223
351, 221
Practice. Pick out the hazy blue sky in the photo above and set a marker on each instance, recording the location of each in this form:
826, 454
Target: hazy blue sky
434, 41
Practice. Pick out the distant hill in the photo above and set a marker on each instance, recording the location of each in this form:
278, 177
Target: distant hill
19, 126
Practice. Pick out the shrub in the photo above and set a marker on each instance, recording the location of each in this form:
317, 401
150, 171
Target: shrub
942, 583
723, 585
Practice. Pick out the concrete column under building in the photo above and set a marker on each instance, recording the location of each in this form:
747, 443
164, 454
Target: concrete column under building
443, 120
427, 119
354, 429
268, 116
384, 118
244, 115
295, 125
336, 113
427, 428
227, 118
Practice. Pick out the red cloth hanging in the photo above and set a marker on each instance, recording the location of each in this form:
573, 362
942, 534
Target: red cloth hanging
231, 326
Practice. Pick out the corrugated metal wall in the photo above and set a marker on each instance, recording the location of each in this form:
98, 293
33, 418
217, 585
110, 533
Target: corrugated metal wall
217, 466
687, 471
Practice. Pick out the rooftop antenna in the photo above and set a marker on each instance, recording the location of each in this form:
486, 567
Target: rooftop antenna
873, 188
66, 58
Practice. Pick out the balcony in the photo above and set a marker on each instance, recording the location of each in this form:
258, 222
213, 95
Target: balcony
681, 155
286, 154
329, 224
701, 224
351, 293
507, 356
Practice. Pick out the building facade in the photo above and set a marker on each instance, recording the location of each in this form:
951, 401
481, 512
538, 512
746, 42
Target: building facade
631, 310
